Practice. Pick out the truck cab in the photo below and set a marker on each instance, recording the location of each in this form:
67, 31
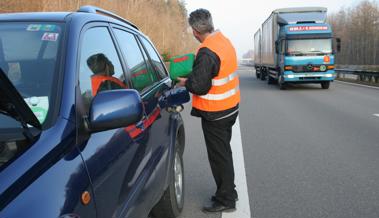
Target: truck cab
295, 45
305, 54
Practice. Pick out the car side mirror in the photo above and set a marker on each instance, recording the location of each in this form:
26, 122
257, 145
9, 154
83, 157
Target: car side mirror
114, 109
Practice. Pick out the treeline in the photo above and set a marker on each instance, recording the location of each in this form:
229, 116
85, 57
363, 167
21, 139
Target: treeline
164, 21
358, 28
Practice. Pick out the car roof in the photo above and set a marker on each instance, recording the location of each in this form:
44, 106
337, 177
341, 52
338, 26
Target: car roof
102, 15
35, 16
83, 15
88, 12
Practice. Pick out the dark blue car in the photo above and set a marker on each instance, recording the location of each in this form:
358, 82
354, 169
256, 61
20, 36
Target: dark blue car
89, 120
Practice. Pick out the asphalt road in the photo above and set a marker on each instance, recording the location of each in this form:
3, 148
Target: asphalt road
308, 152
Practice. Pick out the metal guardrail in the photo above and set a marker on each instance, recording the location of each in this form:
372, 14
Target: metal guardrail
360, 75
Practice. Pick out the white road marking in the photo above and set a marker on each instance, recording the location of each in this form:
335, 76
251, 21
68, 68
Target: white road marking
243, 203
356, 84
377, 115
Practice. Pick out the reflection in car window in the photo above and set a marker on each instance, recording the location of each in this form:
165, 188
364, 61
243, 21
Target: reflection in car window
158, 65
100, 66
142, 76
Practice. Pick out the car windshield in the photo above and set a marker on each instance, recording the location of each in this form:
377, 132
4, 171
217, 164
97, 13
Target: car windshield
309, 46
28, 56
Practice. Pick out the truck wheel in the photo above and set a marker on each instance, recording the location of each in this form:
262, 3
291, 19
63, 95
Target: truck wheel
172, 202
282, 84
258, 75
263, 74
325, 85
270, 80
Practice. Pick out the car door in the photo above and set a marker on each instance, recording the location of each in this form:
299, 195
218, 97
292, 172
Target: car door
161, 128
115, 159
151, 83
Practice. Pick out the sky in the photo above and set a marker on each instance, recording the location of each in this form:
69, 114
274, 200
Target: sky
240, 19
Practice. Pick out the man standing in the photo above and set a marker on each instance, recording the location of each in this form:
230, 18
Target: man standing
214, 85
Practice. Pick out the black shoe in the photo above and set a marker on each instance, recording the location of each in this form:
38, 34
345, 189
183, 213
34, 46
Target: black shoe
218, 207
213, 198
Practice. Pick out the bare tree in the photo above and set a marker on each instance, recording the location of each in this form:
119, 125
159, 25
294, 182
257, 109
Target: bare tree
358, 29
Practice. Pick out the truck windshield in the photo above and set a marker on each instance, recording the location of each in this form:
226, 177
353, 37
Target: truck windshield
28, 56
309, 46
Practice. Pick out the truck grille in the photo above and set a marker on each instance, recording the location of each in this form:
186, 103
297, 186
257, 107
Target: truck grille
306, 68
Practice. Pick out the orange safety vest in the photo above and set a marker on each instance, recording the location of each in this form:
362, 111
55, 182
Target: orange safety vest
224, 93
97, 80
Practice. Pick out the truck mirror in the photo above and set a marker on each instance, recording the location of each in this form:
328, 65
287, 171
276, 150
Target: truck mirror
277, 47
338, 40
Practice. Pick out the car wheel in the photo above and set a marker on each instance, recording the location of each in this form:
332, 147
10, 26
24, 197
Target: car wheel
325, 85
172, 202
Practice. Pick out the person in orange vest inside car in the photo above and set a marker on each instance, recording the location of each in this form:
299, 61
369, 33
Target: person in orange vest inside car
103, 70
214, 84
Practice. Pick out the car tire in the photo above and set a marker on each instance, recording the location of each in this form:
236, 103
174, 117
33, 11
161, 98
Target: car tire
172, 202
325, 85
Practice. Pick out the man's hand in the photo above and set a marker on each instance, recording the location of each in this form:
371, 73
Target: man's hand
181, 81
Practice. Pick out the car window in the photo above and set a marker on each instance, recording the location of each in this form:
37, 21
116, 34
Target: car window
100, 67
142, 76
156, 61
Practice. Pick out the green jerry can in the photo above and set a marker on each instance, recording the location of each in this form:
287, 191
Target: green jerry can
181, 66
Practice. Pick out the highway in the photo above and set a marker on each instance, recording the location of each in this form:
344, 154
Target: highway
307, 152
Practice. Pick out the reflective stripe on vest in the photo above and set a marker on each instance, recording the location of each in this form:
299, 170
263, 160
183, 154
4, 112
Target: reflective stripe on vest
218, 97
223, 81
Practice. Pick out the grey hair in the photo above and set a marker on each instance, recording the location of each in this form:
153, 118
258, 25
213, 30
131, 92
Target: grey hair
201, 21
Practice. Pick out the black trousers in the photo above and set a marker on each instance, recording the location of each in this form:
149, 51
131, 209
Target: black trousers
217, 136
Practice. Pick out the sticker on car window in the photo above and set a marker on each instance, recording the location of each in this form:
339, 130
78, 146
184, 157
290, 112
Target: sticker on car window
48, 27
50, 37
41, 27
39, 106
34, 27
